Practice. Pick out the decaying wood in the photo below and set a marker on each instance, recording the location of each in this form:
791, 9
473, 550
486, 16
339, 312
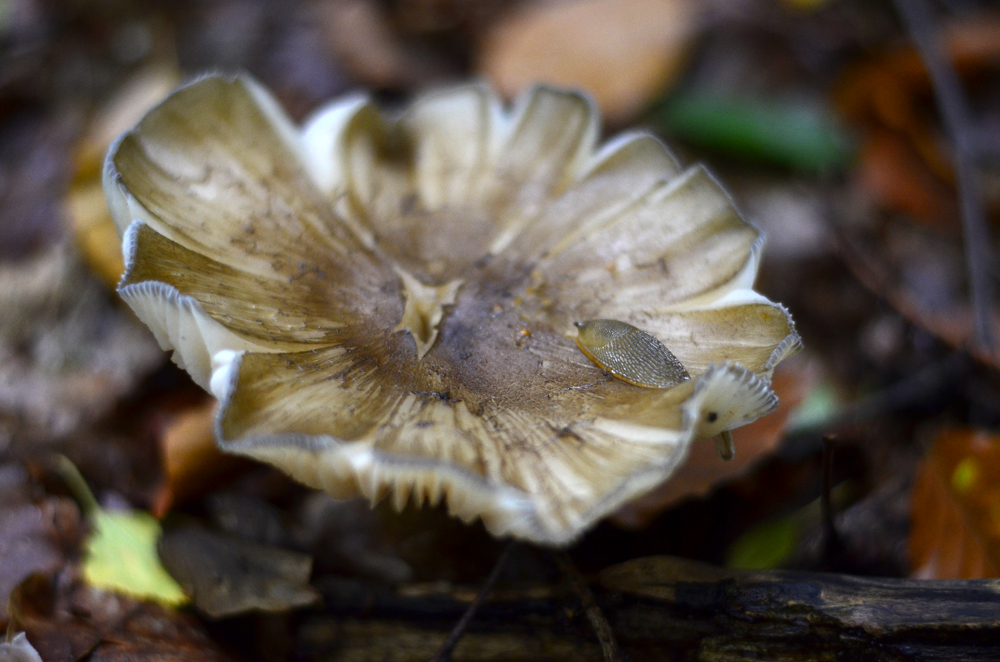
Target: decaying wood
669, 608
784, 615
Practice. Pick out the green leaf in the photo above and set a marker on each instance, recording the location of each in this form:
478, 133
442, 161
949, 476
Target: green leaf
785, 133
766, 545
773, 542
121, 548
820, 405
121, 556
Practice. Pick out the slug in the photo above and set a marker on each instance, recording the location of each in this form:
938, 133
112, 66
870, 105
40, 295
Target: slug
630, 354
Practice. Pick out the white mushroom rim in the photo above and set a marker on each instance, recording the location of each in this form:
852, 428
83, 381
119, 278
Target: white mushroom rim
384, 306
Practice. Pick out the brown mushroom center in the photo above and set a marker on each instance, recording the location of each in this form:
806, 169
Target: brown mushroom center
424, 309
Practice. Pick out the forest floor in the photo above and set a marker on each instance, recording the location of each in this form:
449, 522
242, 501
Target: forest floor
877, 185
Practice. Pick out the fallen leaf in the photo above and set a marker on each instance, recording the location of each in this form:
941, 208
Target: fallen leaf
703, 471
120, 552
955, 532
784, 133
775, 541
907, 163
226, 575
894, 173
806, 5
767, 545
624, 53
121, 556
361, 36
34, 537
96, 237
887, 84
192, 464
67, 621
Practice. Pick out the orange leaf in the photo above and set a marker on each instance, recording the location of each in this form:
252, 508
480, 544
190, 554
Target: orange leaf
192, 464
623, 52
955, 532
906, 164
895, 174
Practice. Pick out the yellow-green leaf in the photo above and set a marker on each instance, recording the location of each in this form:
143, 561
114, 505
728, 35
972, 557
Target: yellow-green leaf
121, 556
121, 548
774, 541
765, 546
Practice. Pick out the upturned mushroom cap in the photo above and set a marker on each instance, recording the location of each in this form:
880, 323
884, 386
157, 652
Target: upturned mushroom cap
384, 306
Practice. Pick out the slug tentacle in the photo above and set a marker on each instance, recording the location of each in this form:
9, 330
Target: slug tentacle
724, 445
629, 353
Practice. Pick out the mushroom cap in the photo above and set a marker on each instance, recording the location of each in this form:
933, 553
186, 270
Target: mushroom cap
384, 304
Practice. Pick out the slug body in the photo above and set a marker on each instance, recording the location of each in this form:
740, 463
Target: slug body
629, 353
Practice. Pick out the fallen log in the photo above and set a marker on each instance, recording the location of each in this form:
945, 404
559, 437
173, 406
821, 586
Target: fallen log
788, 615
663, 608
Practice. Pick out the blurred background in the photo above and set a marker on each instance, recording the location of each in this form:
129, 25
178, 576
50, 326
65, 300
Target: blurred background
877, 183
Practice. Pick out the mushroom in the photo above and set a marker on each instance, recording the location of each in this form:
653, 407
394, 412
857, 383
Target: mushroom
384, 305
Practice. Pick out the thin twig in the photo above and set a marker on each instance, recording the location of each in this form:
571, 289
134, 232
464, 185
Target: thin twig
594, 614
874, 276
832, 544
957, 119
826, 507
448, 647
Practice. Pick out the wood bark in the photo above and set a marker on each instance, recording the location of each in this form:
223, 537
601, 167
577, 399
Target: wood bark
664, 608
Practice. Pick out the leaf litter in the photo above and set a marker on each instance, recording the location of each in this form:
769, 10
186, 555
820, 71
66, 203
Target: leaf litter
875, 280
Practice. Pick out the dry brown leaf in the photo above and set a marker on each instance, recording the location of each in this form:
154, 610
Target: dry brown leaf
906, 163
362, 37
227, 575
703, 470
905, 166
955, 532
95, 234
188, 451
192, 464
68, 621
623, 52
892, 170
34, 536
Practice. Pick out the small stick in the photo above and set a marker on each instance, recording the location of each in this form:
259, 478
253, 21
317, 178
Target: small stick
594, 614
828, 486
448, 647
831, 541
957, 120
